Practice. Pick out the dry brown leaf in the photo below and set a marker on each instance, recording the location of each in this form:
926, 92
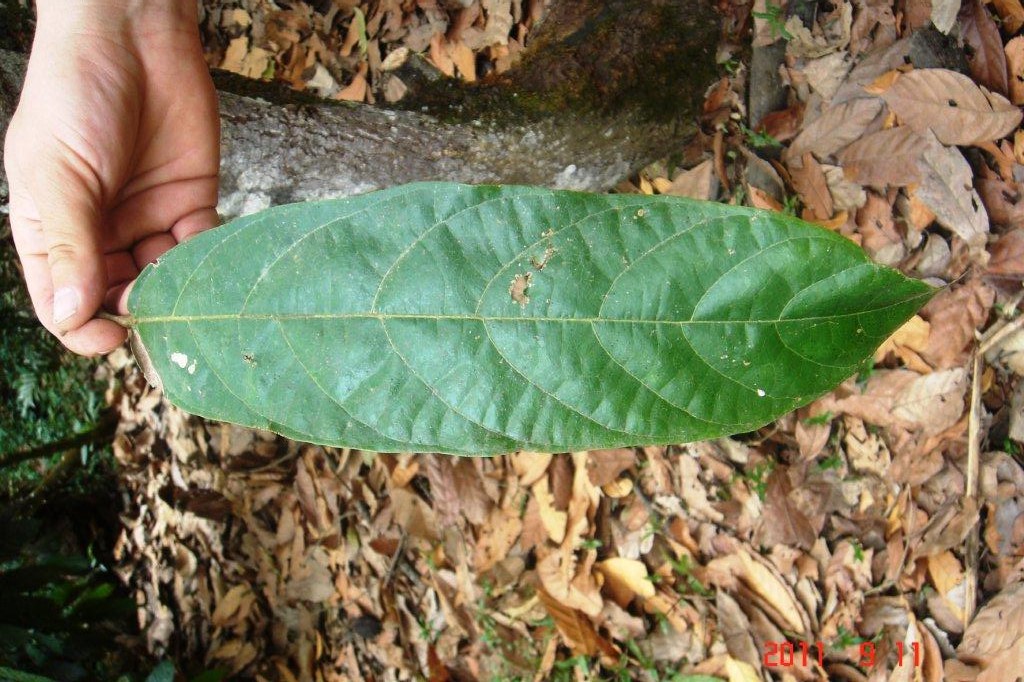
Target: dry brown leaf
951, 105
913, 335
995, 638
1015, 65
836, 127
1002, 200
530, 466
877, 229
469, 486
866, 452
625, 579
605, 466
760, 199
986, 57
886, 157
810, 183
698, 182
825, 75
1012, 14
773, 594
440, 55
498, 534
464, 60
575, 627
943, 14
1008, 255
553, 520
231, 604
783, 124
570, 581
954, 314
736, 630
933, 402
947, 189
357, 89
440, 471
782, 522
945, 571
902, 398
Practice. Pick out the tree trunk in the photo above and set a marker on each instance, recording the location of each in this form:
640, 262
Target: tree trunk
604, 88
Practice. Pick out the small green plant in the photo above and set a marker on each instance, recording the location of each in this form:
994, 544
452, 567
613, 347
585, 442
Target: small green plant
776, 20
759, 139
757, 477
833, 461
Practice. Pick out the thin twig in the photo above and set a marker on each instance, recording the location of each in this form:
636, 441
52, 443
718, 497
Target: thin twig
971, 493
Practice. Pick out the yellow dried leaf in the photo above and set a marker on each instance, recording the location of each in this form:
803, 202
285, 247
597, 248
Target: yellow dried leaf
625, 579
945, 571
913, 334
440, 57
618, 489
553, 520
229, 605
739, 671
530, 466
464, 59
1012, 14
662, 185
770, 588
920, 215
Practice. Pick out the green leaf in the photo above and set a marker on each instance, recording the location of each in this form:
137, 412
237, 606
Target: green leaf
479, 320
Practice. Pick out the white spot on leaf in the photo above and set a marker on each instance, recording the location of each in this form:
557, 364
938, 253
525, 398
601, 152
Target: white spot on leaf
760, 393
180, 359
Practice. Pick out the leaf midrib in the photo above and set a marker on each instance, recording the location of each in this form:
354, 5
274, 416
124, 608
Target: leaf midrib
282, 317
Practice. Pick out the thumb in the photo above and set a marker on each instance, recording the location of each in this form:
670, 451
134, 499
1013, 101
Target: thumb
69, 211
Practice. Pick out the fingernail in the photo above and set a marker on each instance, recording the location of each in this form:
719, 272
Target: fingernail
65, 304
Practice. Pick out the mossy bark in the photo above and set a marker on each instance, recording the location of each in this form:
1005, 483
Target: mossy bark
603, 88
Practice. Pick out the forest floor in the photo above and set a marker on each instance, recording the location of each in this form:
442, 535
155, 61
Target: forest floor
876, 534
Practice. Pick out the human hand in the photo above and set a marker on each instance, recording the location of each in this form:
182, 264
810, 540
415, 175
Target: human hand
112, 156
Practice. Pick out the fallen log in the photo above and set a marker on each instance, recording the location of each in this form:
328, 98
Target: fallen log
604, 88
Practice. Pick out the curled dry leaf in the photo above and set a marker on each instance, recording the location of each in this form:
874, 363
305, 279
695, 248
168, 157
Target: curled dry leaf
575, 627
812, 186
947, 189
986, 57
887, 157
1012, 14
952, 106
1015, 64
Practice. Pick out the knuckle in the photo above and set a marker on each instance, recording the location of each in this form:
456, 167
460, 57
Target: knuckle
61, 251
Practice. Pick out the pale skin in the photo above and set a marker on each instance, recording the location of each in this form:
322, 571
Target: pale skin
111, 157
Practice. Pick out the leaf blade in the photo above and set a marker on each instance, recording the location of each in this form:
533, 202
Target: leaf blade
387, 321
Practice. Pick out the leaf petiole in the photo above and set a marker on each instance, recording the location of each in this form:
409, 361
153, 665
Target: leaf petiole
126, 321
